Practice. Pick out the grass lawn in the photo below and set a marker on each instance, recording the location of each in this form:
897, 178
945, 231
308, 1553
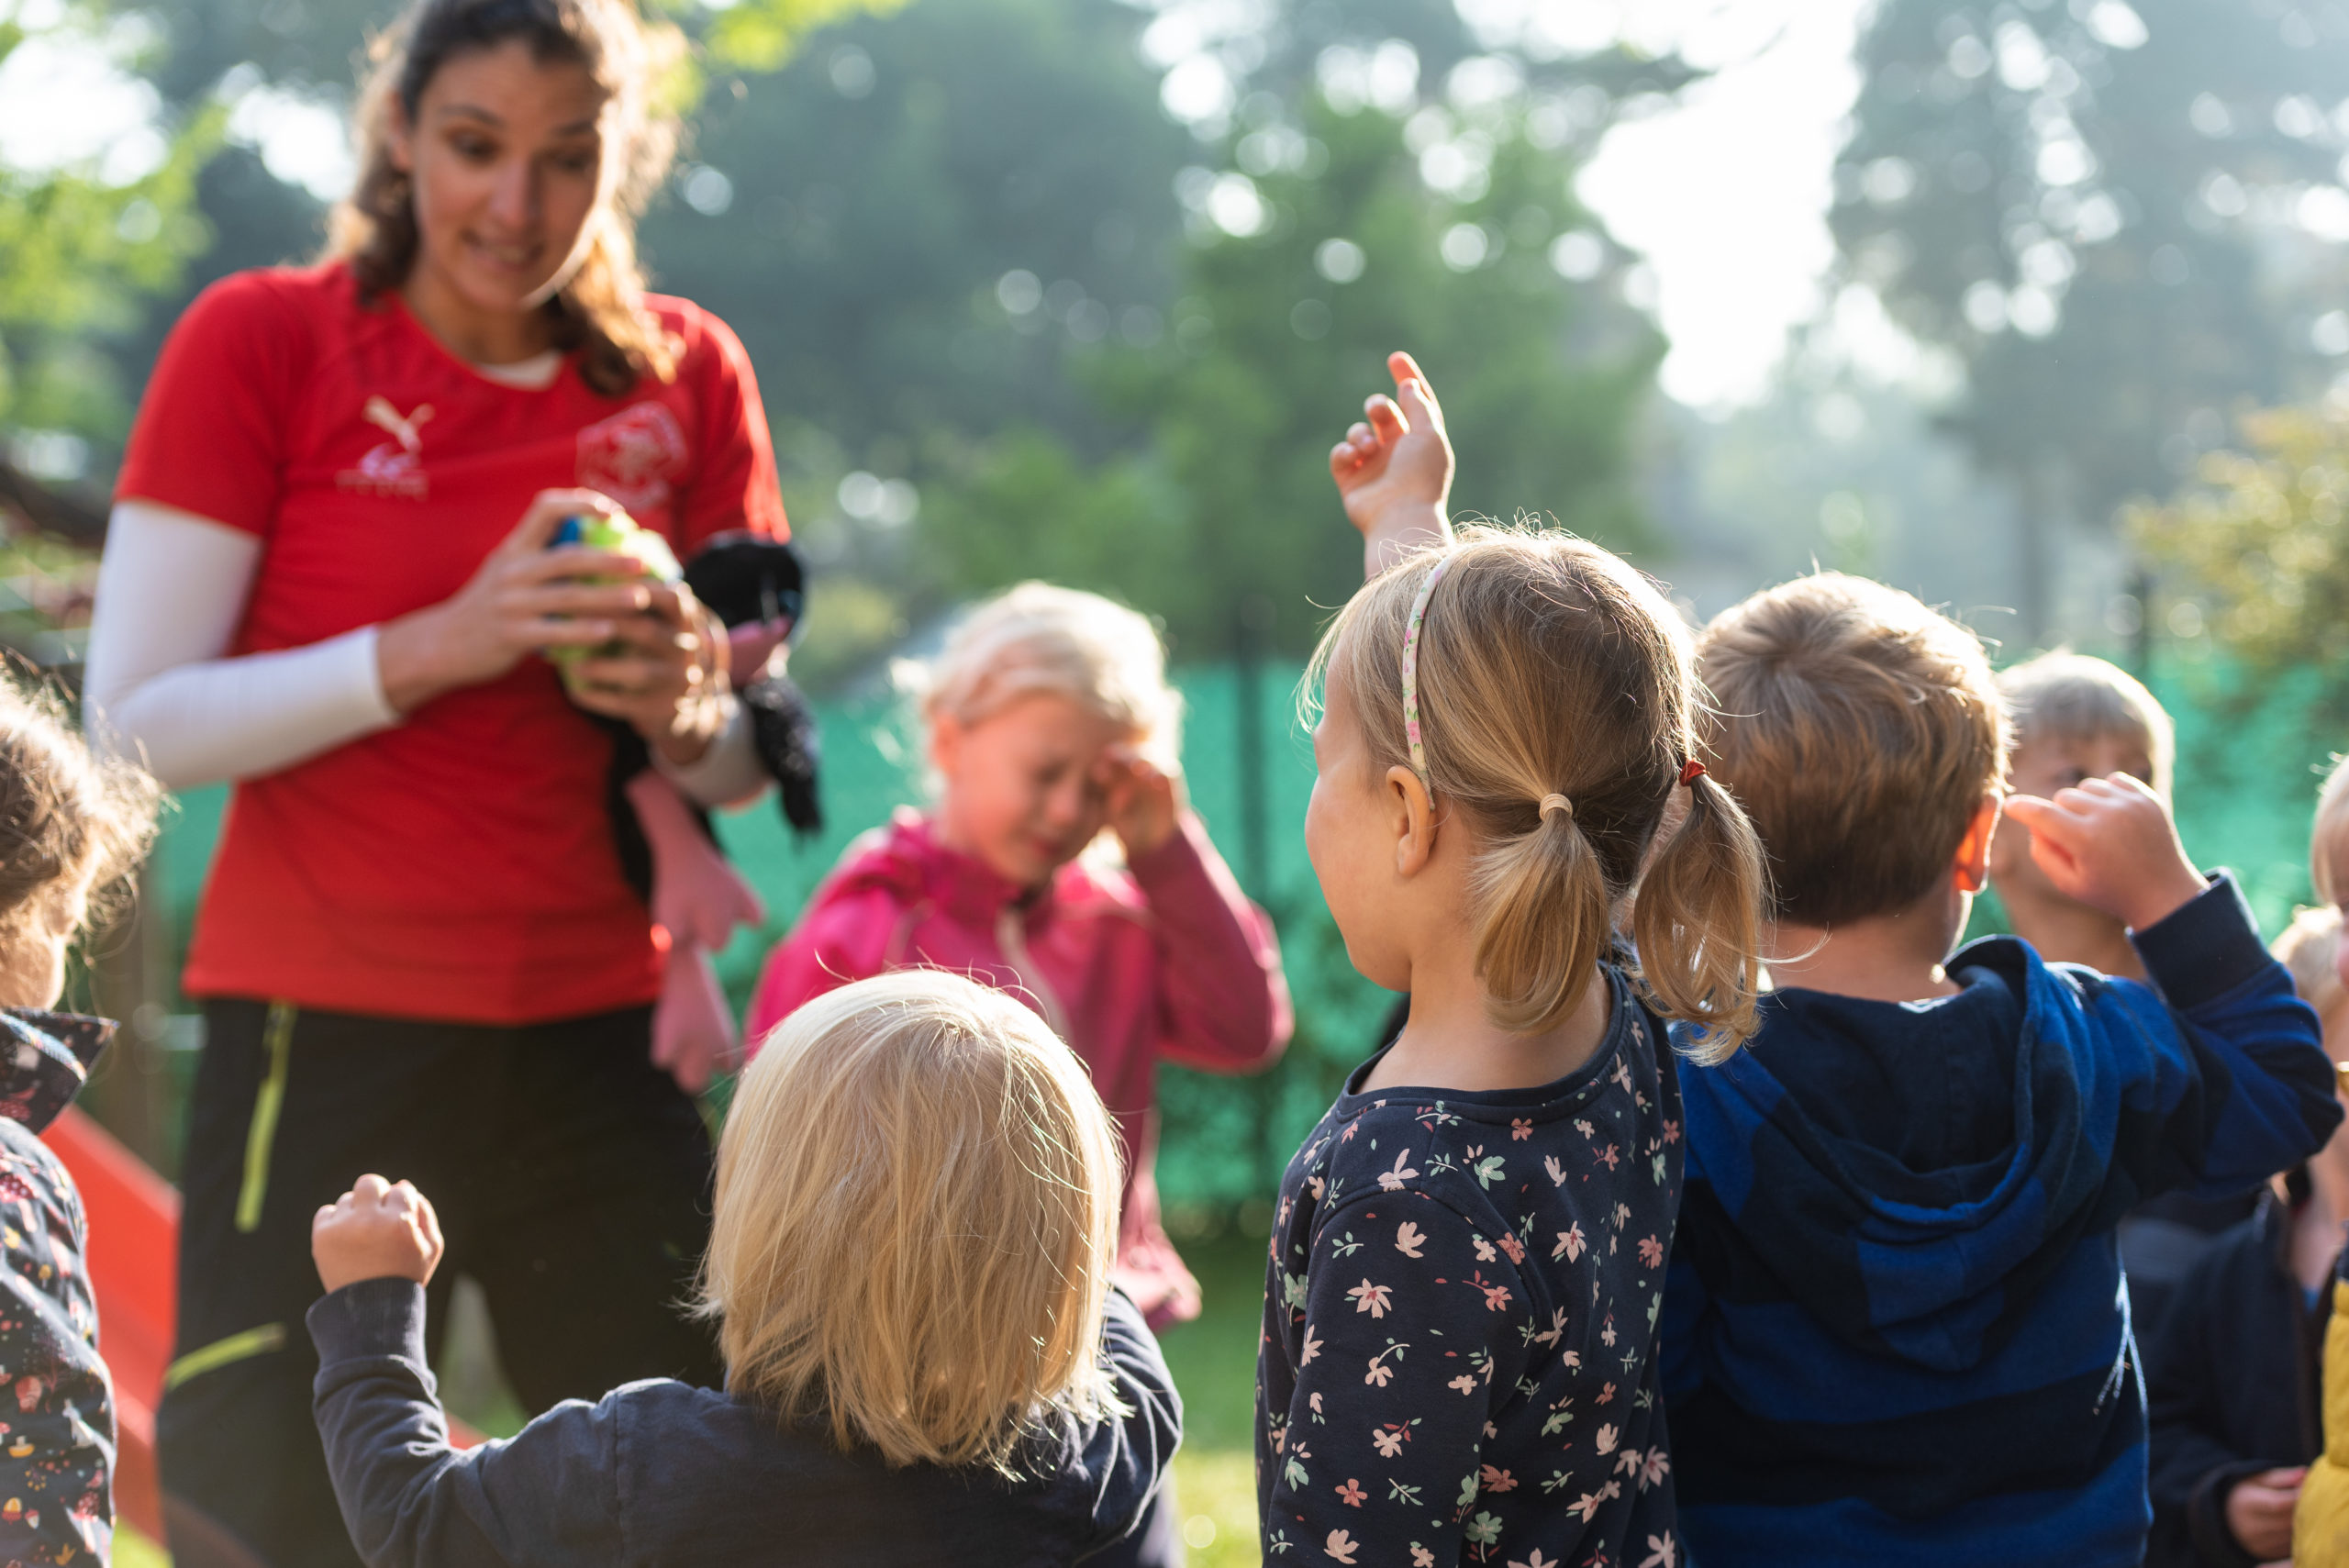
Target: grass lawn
1213, 1362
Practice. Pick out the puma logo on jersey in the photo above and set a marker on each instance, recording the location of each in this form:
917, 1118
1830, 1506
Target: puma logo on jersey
395, 467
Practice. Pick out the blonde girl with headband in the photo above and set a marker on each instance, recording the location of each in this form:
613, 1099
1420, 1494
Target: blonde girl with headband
1468, 1256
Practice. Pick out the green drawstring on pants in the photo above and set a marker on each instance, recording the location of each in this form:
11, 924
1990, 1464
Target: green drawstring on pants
277, 1040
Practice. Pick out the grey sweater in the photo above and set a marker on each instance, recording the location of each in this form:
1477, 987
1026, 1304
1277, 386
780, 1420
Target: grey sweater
662, 1472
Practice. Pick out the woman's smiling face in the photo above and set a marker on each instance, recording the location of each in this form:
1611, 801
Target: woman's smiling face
507, 155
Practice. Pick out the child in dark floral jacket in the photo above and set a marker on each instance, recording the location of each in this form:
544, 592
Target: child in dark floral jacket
69, 827
1457, 1362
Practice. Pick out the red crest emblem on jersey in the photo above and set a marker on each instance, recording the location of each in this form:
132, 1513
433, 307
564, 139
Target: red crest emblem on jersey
633, 455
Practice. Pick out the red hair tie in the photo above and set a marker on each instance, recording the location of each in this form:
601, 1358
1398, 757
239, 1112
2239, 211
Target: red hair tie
1691, 772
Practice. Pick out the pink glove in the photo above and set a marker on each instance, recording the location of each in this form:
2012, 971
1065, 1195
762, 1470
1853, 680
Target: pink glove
693, 1028
697, 896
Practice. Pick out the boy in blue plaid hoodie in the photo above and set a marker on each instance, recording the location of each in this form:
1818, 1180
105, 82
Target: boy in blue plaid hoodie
1894, 1327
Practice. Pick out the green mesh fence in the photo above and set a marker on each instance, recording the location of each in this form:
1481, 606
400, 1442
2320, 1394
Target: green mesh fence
2249, 756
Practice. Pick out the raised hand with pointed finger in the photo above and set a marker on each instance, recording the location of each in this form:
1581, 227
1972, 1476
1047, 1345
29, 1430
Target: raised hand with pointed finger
1394, 469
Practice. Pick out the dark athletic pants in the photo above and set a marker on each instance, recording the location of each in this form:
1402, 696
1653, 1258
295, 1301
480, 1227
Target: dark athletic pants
572, 1181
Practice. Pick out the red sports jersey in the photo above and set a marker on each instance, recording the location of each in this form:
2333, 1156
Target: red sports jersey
458, 865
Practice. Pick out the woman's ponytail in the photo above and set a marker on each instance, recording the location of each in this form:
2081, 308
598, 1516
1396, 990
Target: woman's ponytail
1697, 919
1542, 922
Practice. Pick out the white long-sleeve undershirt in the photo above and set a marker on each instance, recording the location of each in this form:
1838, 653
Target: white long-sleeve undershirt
161, 684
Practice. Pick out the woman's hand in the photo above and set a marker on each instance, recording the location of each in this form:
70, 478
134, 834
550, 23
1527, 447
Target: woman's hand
1144, 802
667, 680
520, 601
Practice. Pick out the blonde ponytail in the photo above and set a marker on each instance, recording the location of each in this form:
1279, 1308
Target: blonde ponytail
1556, 698
1697, 921
1543, 921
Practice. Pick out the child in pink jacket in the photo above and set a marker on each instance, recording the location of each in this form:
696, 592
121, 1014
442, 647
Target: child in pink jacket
1052, 728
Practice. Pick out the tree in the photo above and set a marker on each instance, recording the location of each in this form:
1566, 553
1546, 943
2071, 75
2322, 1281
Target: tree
1336, 232
78, 249
2104, 212
2263, 537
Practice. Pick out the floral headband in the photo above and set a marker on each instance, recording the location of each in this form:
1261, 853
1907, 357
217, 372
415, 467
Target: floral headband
1690, 771
1411, 667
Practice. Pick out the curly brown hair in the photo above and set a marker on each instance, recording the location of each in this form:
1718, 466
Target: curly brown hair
66, 812
600, 311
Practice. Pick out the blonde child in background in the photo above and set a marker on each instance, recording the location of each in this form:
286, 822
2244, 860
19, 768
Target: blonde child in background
2232, 1381
1468, 1251
72, 827
1050, 721
2319, 1515
915, 1213
2074, 717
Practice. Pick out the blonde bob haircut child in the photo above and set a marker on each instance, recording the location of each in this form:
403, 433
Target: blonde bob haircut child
2306, 948
1038, 638
2068, 696
2327, 859
917, 1211
1548, 666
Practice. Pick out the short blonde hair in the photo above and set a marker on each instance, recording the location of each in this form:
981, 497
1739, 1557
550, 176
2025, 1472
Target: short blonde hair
917, 1211
2065, 695
1039, 637
2306, 948
2332, 814
1860, 730
1546, 666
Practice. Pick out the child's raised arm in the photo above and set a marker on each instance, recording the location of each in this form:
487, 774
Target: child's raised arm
2241, 1088
1394, 469
2111, 844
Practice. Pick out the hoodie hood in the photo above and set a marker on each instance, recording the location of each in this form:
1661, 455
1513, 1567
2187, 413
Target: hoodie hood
51, 1056
1914, 1173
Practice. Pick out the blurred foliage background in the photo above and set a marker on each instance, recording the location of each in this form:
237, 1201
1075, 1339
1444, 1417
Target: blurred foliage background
1085, 289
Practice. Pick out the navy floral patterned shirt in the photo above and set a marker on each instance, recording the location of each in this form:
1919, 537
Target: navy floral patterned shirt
57, 1432
1457, 1362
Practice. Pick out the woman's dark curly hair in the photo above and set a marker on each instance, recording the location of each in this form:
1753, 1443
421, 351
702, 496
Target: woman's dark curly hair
599, 311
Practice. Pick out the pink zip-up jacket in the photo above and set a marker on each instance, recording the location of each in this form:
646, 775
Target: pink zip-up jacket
1166, 959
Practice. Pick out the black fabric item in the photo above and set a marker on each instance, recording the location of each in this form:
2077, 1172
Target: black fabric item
572, 1180
783, 727
630, 757
2162, 1239
745, 577
660, 1473
2234, 1387
741, 577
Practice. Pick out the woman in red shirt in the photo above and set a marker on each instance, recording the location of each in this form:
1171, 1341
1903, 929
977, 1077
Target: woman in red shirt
327, 581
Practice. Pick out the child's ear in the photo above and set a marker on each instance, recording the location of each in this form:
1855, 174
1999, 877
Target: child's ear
945, 744
1972, 861
1411, 817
